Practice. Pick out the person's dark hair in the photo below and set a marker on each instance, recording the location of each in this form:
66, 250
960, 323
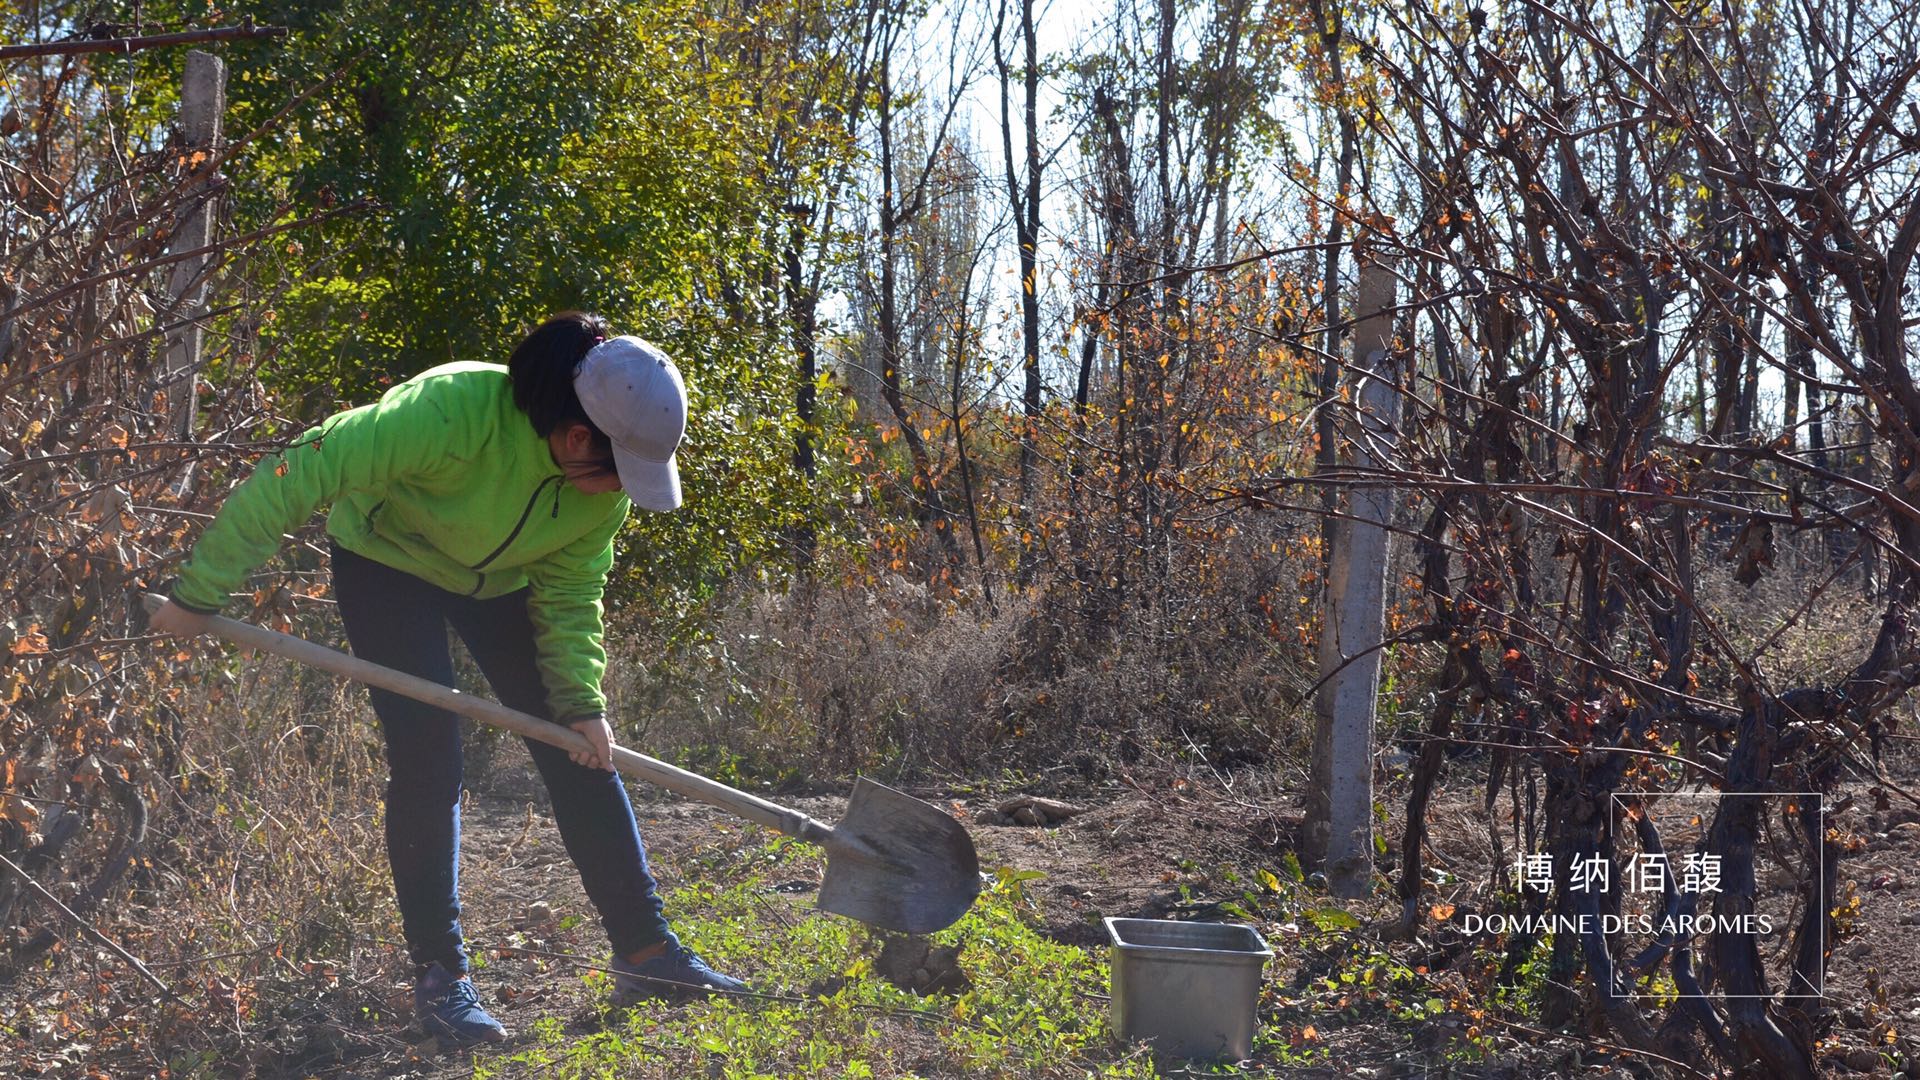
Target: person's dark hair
541, 368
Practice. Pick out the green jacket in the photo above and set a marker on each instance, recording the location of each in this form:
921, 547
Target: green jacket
445, 479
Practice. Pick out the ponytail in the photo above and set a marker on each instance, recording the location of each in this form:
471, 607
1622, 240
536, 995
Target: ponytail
542, 366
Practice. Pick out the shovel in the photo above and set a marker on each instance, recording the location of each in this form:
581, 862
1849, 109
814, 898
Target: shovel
893, 861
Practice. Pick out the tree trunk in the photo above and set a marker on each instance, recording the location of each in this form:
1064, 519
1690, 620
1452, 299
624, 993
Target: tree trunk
891, 221
1024, 201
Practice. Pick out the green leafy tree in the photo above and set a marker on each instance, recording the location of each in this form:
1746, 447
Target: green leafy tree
526, 158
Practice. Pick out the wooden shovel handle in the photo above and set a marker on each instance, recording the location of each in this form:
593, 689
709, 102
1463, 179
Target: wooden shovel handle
673, 778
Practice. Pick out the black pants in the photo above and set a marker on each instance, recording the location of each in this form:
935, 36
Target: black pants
399, 621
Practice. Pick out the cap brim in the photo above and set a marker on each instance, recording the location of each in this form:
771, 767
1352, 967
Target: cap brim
652, 485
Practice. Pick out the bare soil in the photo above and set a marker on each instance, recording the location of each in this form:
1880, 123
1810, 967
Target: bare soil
1174, 847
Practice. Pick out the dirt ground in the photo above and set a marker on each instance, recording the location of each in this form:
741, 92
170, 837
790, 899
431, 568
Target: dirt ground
1170, 848
1164, 848
520, 892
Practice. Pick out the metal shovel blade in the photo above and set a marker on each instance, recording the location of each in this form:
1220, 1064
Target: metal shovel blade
898, 863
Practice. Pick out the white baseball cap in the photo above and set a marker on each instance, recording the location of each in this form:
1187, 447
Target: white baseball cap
633, 393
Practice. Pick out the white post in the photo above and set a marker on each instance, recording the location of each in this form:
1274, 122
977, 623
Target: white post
203, 98
1340, 795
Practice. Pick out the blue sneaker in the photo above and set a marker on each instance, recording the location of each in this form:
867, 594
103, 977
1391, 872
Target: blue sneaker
674, 974
447, 1007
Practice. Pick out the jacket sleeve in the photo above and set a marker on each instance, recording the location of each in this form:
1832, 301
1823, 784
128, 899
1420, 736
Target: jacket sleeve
564, 593
407, 433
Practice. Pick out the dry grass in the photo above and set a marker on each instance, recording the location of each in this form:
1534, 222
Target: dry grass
823, 682
251, 898
1801, 636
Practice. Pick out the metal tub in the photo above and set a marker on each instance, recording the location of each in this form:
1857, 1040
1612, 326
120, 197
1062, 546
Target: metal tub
1188, 988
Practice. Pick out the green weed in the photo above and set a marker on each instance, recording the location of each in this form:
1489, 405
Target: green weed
1036, 1008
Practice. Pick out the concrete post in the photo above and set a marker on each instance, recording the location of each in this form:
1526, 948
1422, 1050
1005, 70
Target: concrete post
203, 98
1340, 796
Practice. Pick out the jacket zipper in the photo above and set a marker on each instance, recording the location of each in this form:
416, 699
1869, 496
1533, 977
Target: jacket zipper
517, 526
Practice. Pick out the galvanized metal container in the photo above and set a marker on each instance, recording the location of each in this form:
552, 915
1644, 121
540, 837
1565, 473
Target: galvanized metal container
1188, 988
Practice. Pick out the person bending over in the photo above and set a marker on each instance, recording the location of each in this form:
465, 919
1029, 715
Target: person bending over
485, 498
